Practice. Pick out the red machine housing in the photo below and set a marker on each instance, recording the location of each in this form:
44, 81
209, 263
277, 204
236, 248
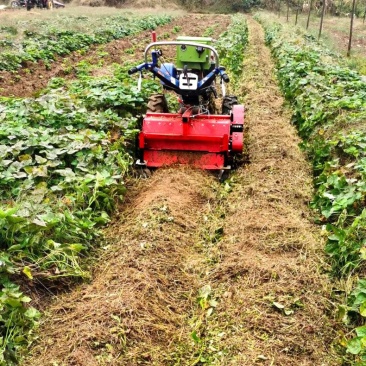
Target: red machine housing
205, 141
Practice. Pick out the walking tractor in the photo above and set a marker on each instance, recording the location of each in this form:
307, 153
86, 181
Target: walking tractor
195, 135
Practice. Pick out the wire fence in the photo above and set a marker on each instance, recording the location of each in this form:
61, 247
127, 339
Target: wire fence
309, 9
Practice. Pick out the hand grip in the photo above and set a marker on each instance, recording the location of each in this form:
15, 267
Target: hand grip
226, 78
132, 71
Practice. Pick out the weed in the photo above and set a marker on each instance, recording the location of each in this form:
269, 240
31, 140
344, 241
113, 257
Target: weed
176, 29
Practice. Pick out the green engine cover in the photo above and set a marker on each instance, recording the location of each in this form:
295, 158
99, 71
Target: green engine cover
188, 55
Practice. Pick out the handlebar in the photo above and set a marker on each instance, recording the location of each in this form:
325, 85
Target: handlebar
176, 43
132, 71
226, 78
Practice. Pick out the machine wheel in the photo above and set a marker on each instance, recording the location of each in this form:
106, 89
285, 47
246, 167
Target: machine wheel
49, 4
228, 102
14, 4
157, 104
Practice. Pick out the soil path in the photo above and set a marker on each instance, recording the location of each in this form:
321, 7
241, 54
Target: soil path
275, 299
35, 76
199, 273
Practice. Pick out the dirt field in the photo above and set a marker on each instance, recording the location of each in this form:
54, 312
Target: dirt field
29, 80
199, 273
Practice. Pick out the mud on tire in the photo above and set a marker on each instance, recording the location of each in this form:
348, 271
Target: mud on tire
228, 102
157, 104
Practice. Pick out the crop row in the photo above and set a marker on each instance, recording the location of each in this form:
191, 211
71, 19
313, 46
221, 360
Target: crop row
63, 160
329, 103
231, 45
52, 42
64, 157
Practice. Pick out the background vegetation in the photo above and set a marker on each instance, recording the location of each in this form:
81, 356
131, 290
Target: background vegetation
329, 103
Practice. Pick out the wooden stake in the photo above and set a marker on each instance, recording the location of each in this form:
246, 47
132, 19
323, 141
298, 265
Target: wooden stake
307, 23
321, 20
351, 28
288, 10
297, 11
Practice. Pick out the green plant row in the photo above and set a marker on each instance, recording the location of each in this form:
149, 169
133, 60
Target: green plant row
63, 160
231, 45
329, 103
64, 157
52, 42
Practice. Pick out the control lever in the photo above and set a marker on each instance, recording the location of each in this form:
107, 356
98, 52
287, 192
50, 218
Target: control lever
199, 51
132, 71
185, 71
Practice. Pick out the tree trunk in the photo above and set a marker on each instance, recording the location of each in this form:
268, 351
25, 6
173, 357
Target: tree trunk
321, 21
308, 21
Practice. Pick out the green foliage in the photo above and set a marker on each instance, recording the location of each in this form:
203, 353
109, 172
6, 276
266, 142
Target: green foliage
209, 32
244, 5
356, 307
47, 44
222, 6
18, 322
64, 156
63, 159
231, 45
176, 29
329, 103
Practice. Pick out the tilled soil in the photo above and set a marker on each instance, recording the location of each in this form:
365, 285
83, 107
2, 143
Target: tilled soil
138, 308
201, 273
35, 76
277, 305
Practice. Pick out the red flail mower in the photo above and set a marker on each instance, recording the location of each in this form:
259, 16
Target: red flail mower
195, 135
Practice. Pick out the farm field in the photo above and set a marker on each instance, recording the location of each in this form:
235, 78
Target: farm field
102, 267
335, 35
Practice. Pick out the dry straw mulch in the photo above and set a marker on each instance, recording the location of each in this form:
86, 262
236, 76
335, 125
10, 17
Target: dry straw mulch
138, 305
277, 301
255, 247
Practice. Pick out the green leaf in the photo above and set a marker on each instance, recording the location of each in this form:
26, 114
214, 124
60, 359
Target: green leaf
195, 337
354, 346
32, 313
361, 331
363, 309
9, 212
76, 247
14, 303
39, 222
26, 299
27, 271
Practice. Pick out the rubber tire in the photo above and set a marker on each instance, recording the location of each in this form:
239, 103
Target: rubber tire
228, 102
49, 4
157, 104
